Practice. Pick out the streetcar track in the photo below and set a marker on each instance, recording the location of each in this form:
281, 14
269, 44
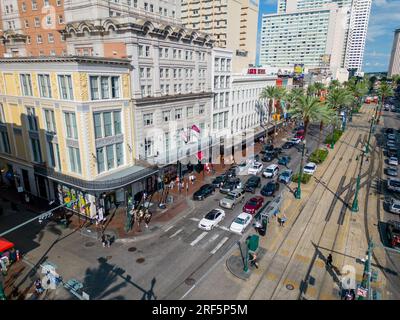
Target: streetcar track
342, 149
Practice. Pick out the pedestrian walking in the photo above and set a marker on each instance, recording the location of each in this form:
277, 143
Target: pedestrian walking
147, 218
253, 260
103, 240
329, 260
283, 220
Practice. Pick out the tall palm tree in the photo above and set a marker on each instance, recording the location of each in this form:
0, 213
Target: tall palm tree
358, 90
327, 118
311, 90
334, 84
269, 94
384, 91
319, 86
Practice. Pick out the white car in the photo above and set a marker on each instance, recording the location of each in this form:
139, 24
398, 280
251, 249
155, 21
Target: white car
241, 222
393, 161
255, 168
310, 168
211, 219
271, 171
295, 140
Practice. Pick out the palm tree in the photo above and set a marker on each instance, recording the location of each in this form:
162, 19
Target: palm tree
334, 84
319, 86
384, 91
336, 100
358, 90
327, 118
311, 90
269, 93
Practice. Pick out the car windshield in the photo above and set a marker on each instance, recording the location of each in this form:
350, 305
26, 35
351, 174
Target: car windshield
239, 220
230, 197
270, 186
252, 202
269, 170
286, 173
211, 215
309, 167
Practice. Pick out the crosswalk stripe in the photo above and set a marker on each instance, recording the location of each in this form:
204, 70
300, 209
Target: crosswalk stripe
201, 236
169, 228
220, 244
176, 233
194, 219
212, 239
224, 228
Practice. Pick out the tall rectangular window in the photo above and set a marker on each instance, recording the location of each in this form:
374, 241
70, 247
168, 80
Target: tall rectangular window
35, 144
115, 87
4, 142
65, 86
54, 153
70, 123
32, 120
94, 87
117, 122
44, 85
119, 153
107, 124
74, 160
2, 117
105, 89
97, 125
50, 120
100, 160
26, 84
110, 157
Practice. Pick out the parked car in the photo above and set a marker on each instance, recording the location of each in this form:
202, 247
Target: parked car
269, 156
284, 160
267, 147
392, 152
252, 184
232, 198
230, 185
230, 173
271, 171
393, 161
391, 171
393, 233
287, 145
295, 140
253, 205
270, 188
204, 191
389, 130
241, 222
390, 144
255, 168
393, 184
278, 150
219, 181
244, 165
393, 205
211, 219
391, 136
285, 176
310, 168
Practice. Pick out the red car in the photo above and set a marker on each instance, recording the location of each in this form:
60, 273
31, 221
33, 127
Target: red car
300, 136
253, 205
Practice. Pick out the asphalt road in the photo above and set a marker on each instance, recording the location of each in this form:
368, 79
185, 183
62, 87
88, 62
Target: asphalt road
164, 267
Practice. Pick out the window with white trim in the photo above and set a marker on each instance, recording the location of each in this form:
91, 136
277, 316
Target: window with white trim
148, 119
65, 87
74, 160
70, 125
44, 85
26, 84
104, 87
50, 120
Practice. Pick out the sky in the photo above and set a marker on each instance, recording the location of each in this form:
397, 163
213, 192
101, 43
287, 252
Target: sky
384, 19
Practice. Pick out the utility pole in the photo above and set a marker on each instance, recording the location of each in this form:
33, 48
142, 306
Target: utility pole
366, 281
298, 191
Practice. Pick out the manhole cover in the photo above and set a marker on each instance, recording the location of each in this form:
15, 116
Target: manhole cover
190, 281
140, 260
289, 287
89, 244
132, 249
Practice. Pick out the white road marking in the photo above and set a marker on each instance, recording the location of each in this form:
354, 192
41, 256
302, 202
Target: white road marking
224, 228
169, 228
213, 238
195, 219
198, 238
220, 244
176, 233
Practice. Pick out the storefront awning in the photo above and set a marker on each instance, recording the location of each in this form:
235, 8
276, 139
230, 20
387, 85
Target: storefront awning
5, 245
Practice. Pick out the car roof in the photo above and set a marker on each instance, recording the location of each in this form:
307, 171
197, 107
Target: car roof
310, 164
243, 215
287, 170
272, 166
235, 191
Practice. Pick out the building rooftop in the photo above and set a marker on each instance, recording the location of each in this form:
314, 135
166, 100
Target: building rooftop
63, 59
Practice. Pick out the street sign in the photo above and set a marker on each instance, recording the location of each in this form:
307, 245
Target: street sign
362, 292
253, 242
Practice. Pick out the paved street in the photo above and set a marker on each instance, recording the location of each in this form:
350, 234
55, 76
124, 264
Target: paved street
183, 261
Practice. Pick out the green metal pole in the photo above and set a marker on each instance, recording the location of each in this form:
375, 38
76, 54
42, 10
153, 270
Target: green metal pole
2, 294
298, 191
366, 281
246, 258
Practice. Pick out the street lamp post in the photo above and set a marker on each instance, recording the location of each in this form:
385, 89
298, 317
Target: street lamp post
354, 207
366, 282
298, 191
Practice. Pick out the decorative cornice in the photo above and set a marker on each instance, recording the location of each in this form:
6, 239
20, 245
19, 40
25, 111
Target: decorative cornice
172, 98
63, 59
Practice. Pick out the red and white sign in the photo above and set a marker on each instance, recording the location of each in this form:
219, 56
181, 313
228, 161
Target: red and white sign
362, 292
255, 71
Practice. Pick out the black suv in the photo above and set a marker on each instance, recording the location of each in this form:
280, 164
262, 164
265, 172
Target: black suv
267, 147
219, 180
252, 184
287, 145
269, 156
270, 188
230, 185
204, 192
